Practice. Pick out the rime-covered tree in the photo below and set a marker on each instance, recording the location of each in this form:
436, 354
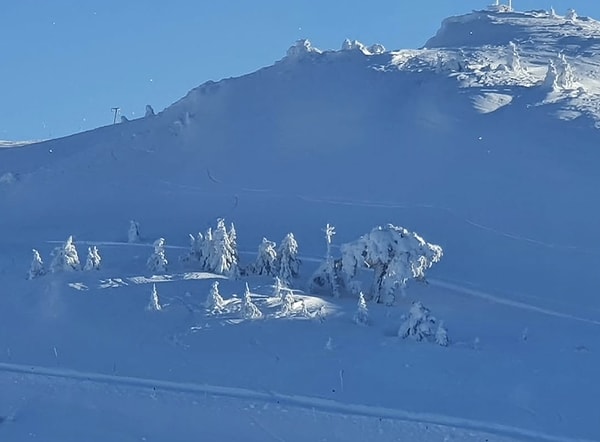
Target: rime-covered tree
196, 252
394, 254
249, 309
418, 324
36, 269
157, 262
214, 302
133, 235
513, 58
327, 275
288, 263
441, 335
361, 317
65, 257
93, 259
279, 288
154, 304
287, 304
222, 256
266, 261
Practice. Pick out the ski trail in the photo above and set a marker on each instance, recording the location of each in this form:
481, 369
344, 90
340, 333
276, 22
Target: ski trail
508, 302
305, 402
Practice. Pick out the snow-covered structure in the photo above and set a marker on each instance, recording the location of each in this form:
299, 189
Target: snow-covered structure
361, 317
93, 259
133, 235
288, 263
249, 310
65, 257
418, 324
149, 111
214, 301
395, 255
157, 262
266, 261
154, 304
36, 269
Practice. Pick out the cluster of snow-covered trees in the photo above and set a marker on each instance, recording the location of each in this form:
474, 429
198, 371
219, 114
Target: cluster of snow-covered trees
216, 251
64, 259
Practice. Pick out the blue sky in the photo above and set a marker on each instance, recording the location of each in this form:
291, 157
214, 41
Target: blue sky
65, 63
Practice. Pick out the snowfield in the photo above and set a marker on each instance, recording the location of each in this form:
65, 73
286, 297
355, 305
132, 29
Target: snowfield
155, 321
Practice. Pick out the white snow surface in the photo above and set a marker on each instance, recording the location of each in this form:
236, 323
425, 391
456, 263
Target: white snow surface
483, 160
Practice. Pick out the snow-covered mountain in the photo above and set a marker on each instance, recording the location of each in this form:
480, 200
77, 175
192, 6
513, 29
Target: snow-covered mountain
484, 141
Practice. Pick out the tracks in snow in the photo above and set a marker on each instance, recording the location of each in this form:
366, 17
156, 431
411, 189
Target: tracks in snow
305, 402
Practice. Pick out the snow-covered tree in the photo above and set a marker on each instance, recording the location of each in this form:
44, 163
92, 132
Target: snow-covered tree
222, 255
249, 309
287, 304
149, 111
266, 261
214, 302
158, 260
361, 317
93, 259
571, 15
328, 273
154, 304
279, 288
65, 257
513, 58
196, 252
418, 324
441, 335
395, 255
288, 263
566, 79
133, 235
36, 269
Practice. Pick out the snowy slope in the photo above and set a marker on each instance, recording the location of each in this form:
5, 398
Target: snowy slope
450, 140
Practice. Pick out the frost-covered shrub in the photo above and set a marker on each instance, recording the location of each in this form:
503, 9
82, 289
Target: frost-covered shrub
65, 257
93, 259
361, 317
418, 324
249, 309
36, 269
394, 254
154, 304
214, 301
157, 262
421, 326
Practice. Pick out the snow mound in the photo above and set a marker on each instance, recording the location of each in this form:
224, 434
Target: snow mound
490, 102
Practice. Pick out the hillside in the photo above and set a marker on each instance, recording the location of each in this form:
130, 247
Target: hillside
468, 141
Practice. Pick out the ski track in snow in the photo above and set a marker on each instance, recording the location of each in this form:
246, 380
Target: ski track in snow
305, 402
435, 282
389, 205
